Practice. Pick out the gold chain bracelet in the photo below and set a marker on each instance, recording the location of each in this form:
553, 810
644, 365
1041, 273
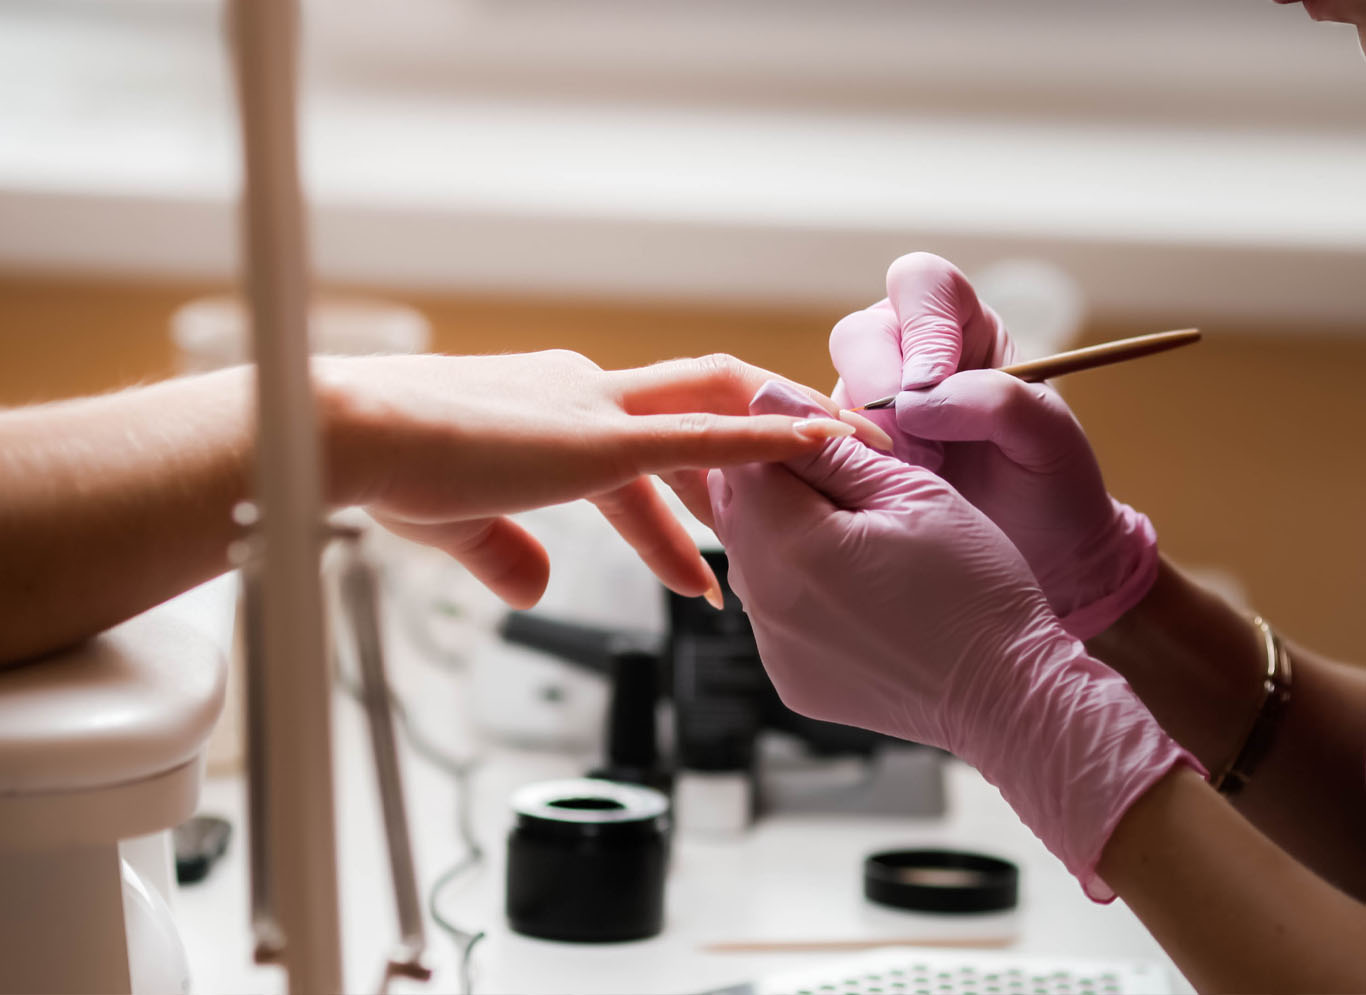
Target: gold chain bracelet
1275, 698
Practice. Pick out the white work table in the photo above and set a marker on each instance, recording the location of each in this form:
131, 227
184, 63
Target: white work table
790, 877
795, 877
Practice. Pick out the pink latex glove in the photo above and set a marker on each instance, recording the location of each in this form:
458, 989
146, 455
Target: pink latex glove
880, 598
1013, 449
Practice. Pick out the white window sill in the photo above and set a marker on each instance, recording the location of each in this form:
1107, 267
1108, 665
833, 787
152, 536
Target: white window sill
587, 198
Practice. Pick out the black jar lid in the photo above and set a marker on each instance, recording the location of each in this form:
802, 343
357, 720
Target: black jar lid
941, 881
588, 808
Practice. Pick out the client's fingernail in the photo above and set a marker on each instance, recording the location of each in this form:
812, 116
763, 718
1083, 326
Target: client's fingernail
868, 430
714, 596
822, 428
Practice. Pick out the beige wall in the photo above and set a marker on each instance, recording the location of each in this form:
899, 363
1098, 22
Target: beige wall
1245, 450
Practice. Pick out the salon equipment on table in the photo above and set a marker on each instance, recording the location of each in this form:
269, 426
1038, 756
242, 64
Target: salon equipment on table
725, 767
941, 881
1076, 360
631, 661
587, 860
359, 598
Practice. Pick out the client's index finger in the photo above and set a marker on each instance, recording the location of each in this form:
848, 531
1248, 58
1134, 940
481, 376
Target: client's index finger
662, 443
719, 384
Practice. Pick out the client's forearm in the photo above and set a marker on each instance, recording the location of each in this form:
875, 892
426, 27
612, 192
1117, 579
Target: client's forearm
1199, 665
110, 505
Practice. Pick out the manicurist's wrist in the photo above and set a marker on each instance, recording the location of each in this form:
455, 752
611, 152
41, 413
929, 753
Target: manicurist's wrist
1146, 828
1194, 660
1174, 614
1077, 730
1112, 576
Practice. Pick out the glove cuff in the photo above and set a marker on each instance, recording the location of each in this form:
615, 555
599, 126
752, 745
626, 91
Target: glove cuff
1088, 845
1086, 749
1129, 551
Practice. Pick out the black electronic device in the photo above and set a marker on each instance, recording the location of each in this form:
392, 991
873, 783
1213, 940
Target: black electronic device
709, 664
632, 662
723, 697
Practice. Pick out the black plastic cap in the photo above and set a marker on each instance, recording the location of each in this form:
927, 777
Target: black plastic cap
941, 881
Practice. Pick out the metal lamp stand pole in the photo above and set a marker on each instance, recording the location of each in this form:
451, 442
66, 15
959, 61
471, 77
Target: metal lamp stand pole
295, 686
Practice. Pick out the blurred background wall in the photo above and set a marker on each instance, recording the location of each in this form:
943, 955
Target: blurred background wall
640, 181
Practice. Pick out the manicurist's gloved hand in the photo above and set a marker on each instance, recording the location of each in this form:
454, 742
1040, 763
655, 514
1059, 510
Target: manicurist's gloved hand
881, 598
1012, 449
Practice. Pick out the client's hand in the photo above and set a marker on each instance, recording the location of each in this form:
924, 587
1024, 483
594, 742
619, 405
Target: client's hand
880, 598
440, 448
1013, 449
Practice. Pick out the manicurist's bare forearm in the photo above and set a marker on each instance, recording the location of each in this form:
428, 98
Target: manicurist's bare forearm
1198, 665
1233, 910
110, 505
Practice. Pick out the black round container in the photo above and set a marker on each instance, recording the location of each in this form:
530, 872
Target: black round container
941, 881
586, 861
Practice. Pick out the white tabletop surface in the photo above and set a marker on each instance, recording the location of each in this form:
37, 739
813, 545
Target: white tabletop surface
789, 877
